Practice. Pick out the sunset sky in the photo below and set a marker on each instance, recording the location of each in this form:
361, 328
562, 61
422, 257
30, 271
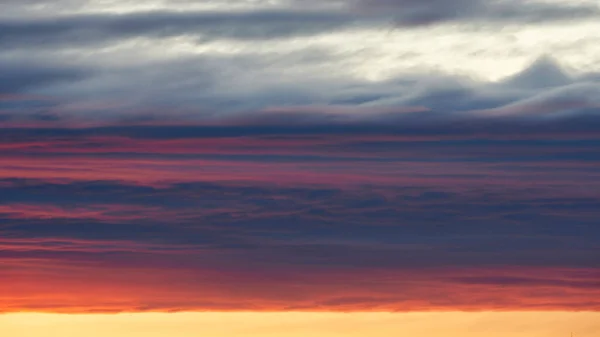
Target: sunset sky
228, 168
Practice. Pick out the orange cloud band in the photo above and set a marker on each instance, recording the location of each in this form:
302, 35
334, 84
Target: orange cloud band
37, 285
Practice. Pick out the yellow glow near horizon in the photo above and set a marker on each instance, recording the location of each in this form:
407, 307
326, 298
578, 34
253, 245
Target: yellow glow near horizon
211, 324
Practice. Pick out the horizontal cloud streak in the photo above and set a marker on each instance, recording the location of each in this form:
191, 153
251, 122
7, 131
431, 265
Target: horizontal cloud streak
111, 290
19, 76
81, 30
415, 13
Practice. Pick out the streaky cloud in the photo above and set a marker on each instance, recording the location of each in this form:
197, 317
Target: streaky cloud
90, 29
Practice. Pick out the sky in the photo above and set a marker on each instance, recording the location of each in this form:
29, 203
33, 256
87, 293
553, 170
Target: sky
300, 168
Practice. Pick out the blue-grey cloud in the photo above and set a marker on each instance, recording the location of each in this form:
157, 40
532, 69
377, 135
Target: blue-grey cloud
194, 90
21, 76
308, 226
89, 29
427, 12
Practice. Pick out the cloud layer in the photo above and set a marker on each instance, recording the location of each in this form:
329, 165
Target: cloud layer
297, 156
265, 217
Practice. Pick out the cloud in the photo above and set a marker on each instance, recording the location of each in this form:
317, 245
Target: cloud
22, 76
194, 91
544, 72
392, 209
138, 289
254, 172
427, 12
577, 99
88, 29
449, 224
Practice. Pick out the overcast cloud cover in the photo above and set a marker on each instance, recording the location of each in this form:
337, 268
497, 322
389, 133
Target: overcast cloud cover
299, 155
